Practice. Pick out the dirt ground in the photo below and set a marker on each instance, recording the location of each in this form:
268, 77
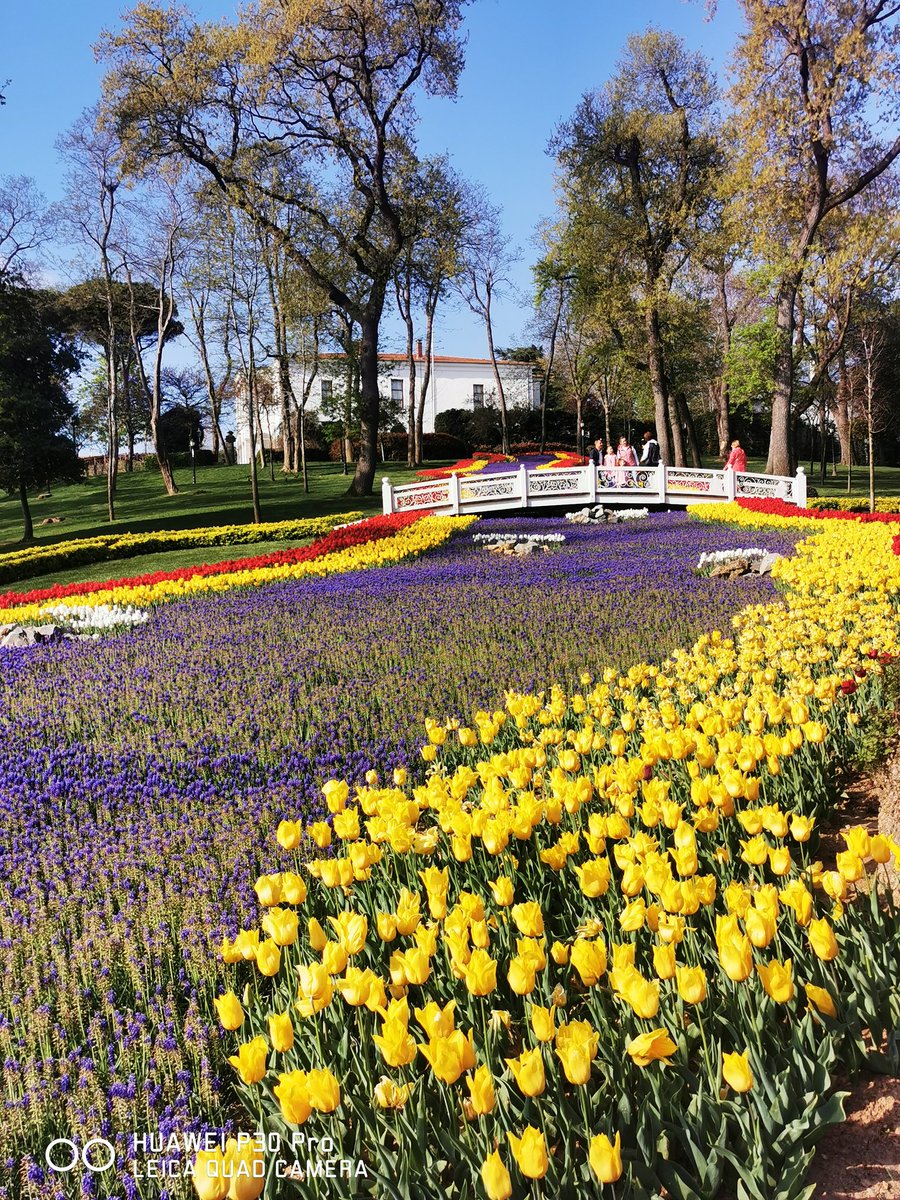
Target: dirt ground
861, 1158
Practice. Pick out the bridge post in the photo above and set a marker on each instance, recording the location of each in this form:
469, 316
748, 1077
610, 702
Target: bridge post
387, 496
729, 475
453, 494
592, 482
800, 488
523, 485
661, 482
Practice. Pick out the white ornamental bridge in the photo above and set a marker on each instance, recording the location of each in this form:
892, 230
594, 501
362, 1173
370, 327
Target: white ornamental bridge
577, 487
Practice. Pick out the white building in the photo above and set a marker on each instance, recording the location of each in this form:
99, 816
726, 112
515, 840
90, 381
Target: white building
466, 383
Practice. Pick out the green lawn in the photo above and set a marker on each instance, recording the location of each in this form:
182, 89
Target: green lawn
221, 497
171, 560
887, 479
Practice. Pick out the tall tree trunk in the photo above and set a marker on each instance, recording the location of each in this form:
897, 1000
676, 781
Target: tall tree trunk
781, 455
687, 419
369, 407
656, 366
579, 440
251, 427
550, 357
721, 397
112, 430
430, 307
842, 410
27, 522
498, 382
676, 432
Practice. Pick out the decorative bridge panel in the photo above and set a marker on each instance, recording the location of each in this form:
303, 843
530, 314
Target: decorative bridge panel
556, 482
490, 487
691, 479
432, 495
625, 478
764, 487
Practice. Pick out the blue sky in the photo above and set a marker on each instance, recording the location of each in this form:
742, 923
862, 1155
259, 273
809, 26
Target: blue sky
528, 62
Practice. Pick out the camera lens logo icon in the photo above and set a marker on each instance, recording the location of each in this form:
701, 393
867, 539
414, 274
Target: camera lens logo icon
96, 1155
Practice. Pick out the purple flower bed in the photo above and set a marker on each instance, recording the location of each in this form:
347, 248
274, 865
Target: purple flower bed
141, 779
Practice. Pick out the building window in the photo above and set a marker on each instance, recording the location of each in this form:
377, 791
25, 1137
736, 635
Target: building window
478, 395
326, 390
397, 391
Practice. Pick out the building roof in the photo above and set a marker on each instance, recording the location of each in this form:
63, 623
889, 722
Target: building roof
444, 358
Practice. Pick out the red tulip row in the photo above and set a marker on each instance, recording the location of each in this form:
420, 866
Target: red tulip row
371, 530
779, 508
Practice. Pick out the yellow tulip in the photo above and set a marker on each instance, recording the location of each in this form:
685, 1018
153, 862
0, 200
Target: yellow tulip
334, 958
388, 1095
648, 1047
336, 792
576, 1049
450, 1056
318, 938
250, 1060
211, 1180
407, 914
320, 832
281, 926
246, 1170
268, 890
543, 1023
436, 1021
530, 1152
528, 918
231, 1015
692, 984
293, 1097
821, 999
822, 940
288, 834
323, 1090
522, 975
281, 1031
351, 929
480, 973
314, 989
481, 1091
664, 961
293, 888
268, 958
396, 1046
528, 1070
736, 1072
496, 1178
502, 889
386, 924
605, 1157
777, 979
589, 960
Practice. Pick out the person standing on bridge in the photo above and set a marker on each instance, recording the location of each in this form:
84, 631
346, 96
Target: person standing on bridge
626, 457
595, 454
609, 464
737, 459
649, 451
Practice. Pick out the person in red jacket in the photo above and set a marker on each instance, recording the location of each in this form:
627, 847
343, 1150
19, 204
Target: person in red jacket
737, 459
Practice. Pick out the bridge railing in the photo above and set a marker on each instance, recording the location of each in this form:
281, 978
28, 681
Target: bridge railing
580, 486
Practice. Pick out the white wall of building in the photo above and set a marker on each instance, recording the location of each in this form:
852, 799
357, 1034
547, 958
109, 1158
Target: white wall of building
464, 383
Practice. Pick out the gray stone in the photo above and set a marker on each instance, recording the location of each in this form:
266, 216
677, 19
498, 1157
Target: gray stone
766, 563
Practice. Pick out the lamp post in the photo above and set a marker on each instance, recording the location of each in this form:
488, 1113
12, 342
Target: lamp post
194, 460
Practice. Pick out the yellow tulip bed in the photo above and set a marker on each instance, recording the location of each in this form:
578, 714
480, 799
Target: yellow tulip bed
592, 952
391, 540
45, 557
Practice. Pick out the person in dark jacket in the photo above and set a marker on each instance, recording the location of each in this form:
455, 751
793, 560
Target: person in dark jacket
650, 451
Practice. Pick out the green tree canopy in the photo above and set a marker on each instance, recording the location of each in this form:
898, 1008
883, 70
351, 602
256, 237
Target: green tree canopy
37, 356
